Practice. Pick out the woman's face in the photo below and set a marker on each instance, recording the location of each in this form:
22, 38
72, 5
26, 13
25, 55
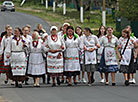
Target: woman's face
124, 35
16, 32
87, 33
9, 30
109, 31
40, 27
70, 32
65, 27
33, 35
79, 31
53, 32
102, 30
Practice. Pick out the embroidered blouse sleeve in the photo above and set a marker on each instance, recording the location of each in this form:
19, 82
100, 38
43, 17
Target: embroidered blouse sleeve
2, 46
63, 43
8, 48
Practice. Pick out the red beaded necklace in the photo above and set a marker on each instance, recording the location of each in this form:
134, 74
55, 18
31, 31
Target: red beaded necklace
35, 43
70, 36
54, 38
109, 38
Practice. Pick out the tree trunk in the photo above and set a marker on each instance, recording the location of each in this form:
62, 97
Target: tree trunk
77, 4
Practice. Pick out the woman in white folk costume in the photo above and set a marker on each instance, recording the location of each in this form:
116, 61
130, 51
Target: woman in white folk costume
71, 55
132, 73
78, 30
127, 56
101, 33
18, 60
28, 39
109, 63
55, 47
63, 31
36, 64
44, 38
91, 43
4, 66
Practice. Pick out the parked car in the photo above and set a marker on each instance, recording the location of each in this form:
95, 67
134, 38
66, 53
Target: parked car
8, 6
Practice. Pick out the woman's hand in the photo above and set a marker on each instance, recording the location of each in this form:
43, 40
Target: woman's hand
85, 48
62, 47
135, 56
8, 56
0, 57
120, 58
91, 49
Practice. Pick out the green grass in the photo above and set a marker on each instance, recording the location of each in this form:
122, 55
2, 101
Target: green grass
72, 16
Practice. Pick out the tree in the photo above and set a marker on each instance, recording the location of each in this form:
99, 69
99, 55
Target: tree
129, 9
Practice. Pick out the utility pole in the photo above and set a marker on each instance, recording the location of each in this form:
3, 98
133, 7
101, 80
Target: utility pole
117, 5
104, 14
64, 7
46, 4
54, 6
81, 12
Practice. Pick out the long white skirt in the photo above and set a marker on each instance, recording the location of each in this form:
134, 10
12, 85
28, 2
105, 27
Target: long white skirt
36, 64
54, 64
72, 59
18, 63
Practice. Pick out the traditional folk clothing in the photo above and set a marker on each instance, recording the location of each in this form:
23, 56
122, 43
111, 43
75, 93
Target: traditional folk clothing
71, 54
127, 57
55, 60
90, 57
100, 51
109, 61
36, 64
4, 64
18, 61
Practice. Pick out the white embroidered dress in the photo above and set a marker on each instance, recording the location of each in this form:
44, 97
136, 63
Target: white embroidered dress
90, 42
18, 58
109, 50
126, 57
3, 46
55, 63
36, 64
71, 54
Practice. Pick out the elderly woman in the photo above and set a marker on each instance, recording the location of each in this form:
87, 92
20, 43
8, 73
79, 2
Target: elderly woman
15, 50
55, 47
36, 67
71, 54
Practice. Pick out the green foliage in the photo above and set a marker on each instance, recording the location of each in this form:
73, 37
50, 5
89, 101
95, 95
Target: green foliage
129, 9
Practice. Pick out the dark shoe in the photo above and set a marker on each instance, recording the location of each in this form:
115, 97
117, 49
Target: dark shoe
20, 85
66, 81
26, 83
48, 82
37, 85
53, 85
75, 83
69, 84
92, 80
16, 84
62, 81
126, 83
6, 81
58, 82
113, 84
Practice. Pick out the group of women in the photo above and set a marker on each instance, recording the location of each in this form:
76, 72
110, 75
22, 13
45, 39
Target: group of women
67, 54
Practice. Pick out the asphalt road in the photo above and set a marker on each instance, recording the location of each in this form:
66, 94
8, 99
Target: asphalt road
16, 19
81, 93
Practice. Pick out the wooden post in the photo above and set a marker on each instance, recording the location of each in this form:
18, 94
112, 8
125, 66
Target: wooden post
81, 11
64, 7
104, 14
